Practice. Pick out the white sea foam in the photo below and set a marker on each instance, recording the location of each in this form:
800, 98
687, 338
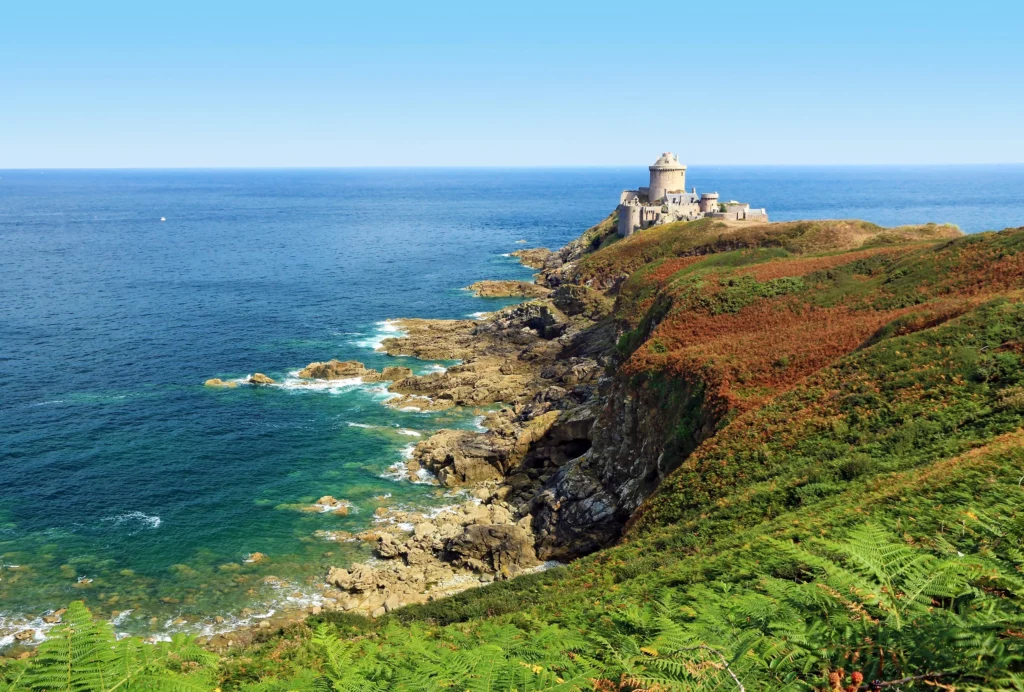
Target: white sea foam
120, 617
11, 625
359, 425
284, 596
407, 451
134, 520
340, 504
386, 329
295, 383
399, 471
410, 433
479, 315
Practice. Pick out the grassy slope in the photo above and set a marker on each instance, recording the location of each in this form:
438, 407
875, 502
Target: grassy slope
869, 397
880, 382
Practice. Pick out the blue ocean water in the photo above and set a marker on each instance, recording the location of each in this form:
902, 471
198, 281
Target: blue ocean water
126, 482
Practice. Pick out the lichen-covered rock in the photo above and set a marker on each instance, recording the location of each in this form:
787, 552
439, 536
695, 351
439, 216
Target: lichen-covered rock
394, 373
534, 258
581, 300
503, 549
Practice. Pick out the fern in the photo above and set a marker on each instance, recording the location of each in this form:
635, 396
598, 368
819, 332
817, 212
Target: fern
83, 655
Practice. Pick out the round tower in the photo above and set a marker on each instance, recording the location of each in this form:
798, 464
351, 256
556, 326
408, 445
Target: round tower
666, 174
629, 219
708, 202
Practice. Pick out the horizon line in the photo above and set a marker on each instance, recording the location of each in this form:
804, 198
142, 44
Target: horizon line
502, 167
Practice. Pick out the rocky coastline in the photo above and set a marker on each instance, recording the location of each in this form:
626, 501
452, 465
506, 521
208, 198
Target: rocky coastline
538, 485
539, 482
536, 367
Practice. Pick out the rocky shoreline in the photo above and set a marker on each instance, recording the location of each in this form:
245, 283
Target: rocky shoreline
533, 494
537, 367
521, 361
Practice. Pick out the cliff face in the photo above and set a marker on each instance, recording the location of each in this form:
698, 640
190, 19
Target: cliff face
644, 348
639, 436
694, 346
751, 415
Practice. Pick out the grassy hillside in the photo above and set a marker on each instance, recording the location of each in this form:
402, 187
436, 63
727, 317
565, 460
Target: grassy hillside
855, 514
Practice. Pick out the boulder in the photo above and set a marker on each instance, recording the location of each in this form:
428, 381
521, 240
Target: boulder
260, 378
504, 549
217, 382
394, 373
338, 370
388, 546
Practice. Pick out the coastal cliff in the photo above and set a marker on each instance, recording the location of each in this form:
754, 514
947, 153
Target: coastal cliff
636, 352
776, 456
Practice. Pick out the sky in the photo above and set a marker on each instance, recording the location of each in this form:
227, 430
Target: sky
254, 84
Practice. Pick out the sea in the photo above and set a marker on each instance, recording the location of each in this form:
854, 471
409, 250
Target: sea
127, 483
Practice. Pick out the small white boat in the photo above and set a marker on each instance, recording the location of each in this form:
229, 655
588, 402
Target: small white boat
163, 218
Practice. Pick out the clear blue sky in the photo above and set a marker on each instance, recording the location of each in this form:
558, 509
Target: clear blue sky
147, 84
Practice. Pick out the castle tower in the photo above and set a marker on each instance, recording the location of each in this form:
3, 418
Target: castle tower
709, 202
629, 219
666, 174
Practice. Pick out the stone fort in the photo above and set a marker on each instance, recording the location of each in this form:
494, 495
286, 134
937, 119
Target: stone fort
666, 200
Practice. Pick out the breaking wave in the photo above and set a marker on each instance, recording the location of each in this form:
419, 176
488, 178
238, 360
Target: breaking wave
386, 329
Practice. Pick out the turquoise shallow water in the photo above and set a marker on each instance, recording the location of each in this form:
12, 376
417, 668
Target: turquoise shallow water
125, 482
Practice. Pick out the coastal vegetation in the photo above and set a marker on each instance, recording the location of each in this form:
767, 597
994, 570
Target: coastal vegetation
834, 503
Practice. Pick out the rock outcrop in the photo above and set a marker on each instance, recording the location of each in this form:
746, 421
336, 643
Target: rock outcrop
535, 258
464, 546
559, 466
259, 378
508, 289
339, 370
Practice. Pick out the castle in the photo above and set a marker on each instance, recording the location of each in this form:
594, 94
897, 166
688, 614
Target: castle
666, 200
